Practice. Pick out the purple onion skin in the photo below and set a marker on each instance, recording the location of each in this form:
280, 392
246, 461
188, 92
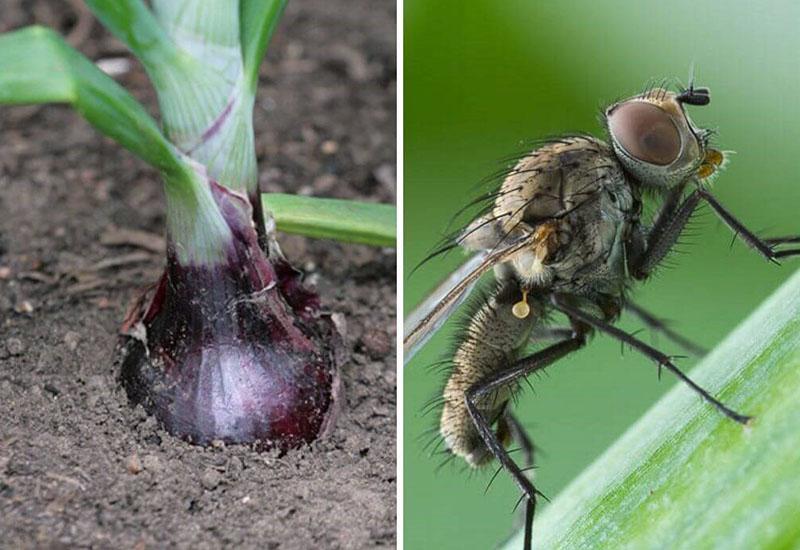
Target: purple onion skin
237, 351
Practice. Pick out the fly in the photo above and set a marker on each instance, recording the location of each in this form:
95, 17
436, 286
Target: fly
564, 233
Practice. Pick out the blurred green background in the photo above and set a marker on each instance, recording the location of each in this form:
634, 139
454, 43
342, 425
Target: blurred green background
481, 77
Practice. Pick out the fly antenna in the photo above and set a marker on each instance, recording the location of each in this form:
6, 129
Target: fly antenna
692, 95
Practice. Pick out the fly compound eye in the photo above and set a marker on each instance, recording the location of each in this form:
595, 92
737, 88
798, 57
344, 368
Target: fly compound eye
645, 132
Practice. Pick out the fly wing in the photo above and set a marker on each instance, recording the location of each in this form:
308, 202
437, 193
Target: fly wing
436, 308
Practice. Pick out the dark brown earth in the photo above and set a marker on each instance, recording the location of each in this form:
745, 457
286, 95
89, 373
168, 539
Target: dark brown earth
78, 466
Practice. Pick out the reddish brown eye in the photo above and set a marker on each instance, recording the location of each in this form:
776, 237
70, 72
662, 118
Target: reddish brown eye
645, 132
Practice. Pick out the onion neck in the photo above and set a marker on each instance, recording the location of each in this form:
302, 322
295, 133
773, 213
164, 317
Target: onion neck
196, 229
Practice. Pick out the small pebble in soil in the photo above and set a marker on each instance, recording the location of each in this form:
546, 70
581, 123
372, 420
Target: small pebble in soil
234, 467
210, 479
52, 389
329, 147
71, 340
133, 464
24, 307
377, 343
385, 175
15, 346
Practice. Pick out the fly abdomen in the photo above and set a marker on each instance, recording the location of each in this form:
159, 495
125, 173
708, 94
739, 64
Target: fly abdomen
492, 339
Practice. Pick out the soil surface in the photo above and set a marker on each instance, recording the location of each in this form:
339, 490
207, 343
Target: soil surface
80, 220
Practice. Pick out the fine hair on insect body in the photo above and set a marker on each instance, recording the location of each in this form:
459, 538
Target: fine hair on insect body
564, 233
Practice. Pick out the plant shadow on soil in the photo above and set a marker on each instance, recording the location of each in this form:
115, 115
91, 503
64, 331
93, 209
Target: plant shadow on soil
78, 465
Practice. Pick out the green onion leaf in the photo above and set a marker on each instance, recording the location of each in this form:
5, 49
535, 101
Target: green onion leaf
342, 220
134, 24
37, 66
258, 19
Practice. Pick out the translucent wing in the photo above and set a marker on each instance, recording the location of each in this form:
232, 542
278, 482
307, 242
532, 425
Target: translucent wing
428, 317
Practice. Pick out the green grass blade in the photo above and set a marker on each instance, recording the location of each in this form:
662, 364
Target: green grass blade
683, 476
258, 19
37, 66
349, 221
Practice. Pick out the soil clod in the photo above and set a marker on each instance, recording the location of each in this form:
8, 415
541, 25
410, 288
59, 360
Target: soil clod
210, 479
15, 346
133, 464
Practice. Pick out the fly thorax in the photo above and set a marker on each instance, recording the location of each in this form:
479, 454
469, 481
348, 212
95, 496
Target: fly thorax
594, 260
553, 180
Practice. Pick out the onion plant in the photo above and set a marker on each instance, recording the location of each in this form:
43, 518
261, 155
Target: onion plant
228, 344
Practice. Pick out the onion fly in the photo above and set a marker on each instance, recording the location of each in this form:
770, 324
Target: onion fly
565, 233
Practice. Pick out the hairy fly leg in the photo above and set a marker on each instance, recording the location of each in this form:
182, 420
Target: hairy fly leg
662, 236
658, 325
672, 219
765, 247
663, 360
504, 378
520, 436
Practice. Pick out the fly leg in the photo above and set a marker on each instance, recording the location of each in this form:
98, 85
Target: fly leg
672, 219
658, 325
521, 438
496, 380
765, 247
664, 233
777, 241
663, 360
792, 239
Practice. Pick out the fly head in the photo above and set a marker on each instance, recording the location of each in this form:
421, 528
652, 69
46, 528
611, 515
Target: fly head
656, 141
